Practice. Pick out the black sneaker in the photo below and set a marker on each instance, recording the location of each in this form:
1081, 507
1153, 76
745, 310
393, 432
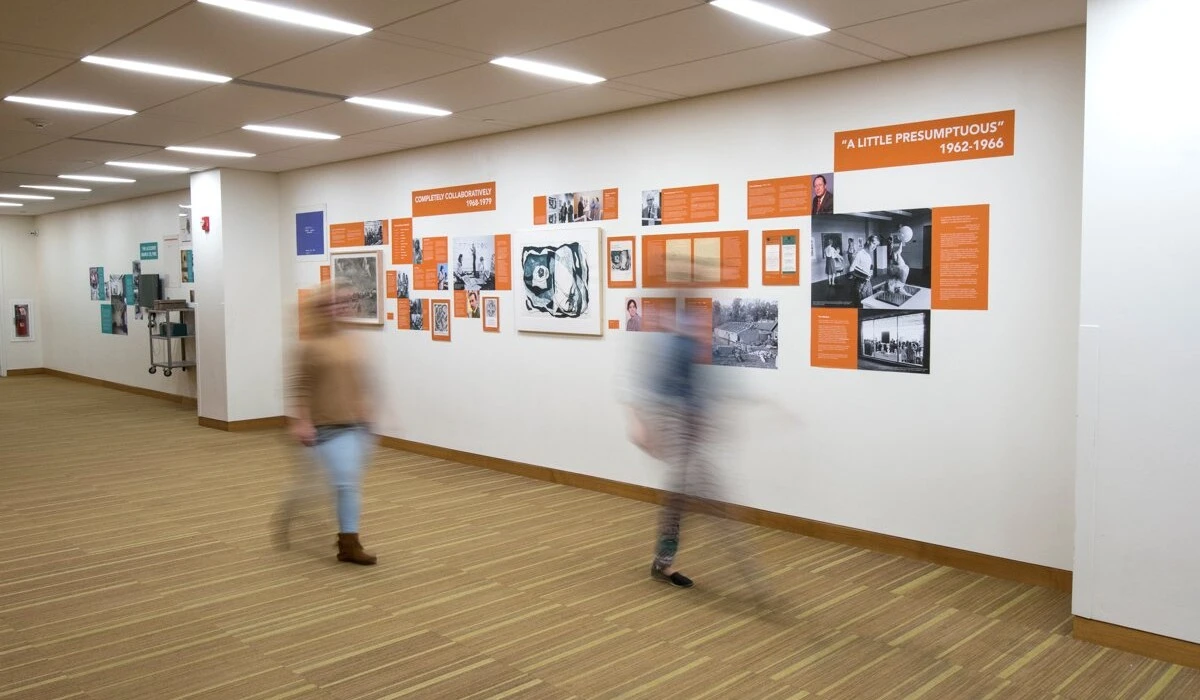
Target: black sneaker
675, 579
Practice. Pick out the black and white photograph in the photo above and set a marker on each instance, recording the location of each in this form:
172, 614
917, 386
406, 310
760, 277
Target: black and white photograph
120, 319
745, 333
361, 273
373, 232
443, 273
651, 207
873, 260
620, 261
893, 341
403, 282
116, 286
560, 208
474, 261
96, 283
440, 310
418, 258
416, 315
560, 282
588, 206
138, 314
491, 314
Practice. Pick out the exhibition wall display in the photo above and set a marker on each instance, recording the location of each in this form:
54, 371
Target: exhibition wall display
762, 232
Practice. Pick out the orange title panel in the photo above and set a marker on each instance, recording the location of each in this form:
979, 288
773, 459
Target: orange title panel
350, 235
691, 205
987, 135
402, 232
781, 258
459, 199
779, 197
713, 259
539, 211
960, 257
835, 338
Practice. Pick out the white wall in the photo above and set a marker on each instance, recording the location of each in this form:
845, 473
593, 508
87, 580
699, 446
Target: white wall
106, 235
978, 455
1137, 563
19, 280
208, 250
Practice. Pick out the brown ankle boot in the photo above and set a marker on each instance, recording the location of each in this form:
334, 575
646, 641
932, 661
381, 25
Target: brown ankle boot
350, 549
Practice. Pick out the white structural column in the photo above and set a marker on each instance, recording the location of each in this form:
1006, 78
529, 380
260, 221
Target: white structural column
1137, 559
238, 300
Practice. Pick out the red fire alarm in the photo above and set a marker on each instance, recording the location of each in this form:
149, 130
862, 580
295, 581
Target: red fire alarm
204, 223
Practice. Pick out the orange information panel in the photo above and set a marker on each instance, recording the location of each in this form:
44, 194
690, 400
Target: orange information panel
700, 312
503, 261
391, 315
681, 205
716, 259
576, 207
780, 257
431, 271
658, 314
779, 197
402, 236
459, 199
987, 135
403, 315
352, 235
391, 284
835, 338
539, 211
325, 274
460, 303
960, 257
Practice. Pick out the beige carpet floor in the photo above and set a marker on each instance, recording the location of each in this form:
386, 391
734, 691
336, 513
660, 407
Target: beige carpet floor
138, 562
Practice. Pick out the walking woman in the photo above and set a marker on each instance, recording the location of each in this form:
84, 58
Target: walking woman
331, 411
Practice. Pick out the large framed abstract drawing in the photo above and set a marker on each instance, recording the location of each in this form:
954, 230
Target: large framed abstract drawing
556, 282
361, 274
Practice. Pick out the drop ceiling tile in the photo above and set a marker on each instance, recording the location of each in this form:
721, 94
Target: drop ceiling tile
358, 66
77, 27
345, 119
858, 46
334, 151
70, 156
970, 22
701, 32
20, 68
152, 131
505, 27
473, 87
236, 105
571, 103
764, 64
56, 122
14, 142
86, 82
251, 141
437, 130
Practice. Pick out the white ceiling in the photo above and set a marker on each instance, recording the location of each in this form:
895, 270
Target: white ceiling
433, 52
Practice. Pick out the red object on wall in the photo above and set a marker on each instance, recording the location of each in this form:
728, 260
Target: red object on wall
22, 322
204, 223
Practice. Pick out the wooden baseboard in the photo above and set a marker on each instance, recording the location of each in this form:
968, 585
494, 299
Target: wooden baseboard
1169, 649
242, 426
185, 401
999, 567
25, 372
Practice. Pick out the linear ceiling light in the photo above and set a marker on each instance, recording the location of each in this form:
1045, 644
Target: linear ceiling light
157, 69
547, 70
10, 204
148, 166
56, 188
394, 106
25, 196
211, 152
286, 14
95, 178
772, 16
185, 206
298, 133
63, 104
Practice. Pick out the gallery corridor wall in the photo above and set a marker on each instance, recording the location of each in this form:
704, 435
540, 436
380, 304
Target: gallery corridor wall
19, 276
977, 455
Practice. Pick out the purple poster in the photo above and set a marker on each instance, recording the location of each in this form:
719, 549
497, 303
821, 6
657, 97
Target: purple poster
310, 233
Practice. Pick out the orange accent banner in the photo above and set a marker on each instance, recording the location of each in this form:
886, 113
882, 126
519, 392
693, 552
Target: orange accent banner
352, 235
614, 325
403, 310
781, 258
390, 276
716, 259
503, 269
779, 197
325, 274
835, 338
435, 254
459, 199
700, 312
691, 205
960, 257
658, 313
460, 303
402, 232
975, 136
539, 211
391, 316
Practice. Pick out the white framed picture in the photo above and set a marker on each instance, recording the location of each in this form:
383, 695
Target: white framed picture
556, 282
360, 272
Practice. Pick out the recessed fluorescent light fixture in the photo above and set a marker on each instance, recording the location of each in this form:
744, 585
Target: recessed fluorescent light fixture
772, 16
394, 106
211, 152
148, 166
63, 104
156, 69
185, 206
287, 14
185, 215
284, 131
56, 188
95, 178
10, 204
547, 70
25, 196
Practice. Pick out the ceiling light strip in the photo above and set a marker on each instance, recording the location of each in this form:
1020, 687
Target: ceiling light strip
287, 14
156, 69
771, 16
24, 196
56, 188
95, 178
285, 131
64, 104
210, 152
547, 70
395, 106
148, 166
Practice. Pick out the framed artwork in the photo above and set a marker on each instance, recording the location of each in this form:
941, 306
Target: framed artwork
491, 314
622, 262
362, 273
556, 282
439, 309
22, 319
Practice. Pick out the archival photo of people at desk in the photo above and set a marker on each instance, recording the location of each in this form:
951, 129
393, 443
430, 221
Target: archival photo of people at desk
893, 341
474, 262
873, 260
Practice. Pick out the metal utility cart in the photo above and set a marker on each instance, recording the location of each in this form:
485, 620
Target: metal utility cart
172, 350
